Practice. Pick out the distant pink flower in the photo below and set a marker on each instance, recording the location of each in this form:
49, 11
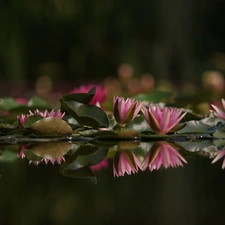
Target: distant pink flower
100, 94
220, 154
21, 101
125, 161
23, 118
164, 120
217, 111
103, 164
125, 110
162, 154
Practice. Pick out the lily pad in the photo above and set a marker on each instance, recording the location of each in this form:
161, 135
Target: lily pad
51, 126
89, 115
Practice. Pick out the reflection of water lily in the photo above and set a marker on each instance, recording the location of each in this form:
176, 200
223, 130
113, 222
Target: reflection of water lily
100, 94
220, 154
217, 111
22, 118
46, 152
103, 164
125, 110
164, 120
125, 162
163, 154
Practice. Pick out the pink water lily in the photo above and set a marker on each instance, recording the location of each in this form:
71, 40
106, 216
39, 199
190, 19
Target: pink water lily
220, 154
125, 161
23, 118
125, 110
100, 94
164, 120
163, 154
103, 164
217, 111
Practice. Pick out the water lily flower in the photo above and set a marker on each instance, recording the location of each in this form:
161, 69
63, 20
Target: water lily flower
164, 120
103, 164
163, 154
23, 118
217, 111
100, 94
125, 161
220, 154
125, 110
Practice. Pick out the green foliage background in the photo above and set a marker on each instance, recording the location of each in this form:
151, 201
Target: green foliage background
72, 39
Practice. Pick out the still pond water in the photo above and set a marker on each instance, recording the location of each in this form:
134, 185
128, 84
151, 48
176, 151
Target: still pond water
129, 182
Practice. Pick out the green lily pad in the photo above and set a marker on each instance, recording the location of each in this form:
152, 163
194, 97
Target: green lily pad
89, 115
51, 126
84, 98
8, 103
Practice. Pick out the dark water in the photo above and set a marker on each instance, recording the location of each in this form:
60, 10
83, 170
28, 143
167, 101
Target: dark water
34, 191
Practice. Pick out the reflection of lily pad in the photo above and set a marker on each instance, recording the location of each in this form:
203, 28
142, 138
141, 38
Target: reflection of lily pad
51, 150
83, 173
87, 155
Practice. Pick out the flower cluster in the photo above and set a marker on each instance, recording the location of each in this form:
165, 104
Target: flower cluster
161, 154
23, 118
160, 120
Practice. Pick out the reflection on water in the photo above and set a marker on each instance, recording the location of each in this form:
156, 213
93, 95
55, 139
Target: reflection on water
157, 193
85, 159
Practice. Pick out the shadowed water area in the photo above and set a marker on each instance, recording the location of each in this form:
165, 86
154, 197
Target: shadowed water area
83, 180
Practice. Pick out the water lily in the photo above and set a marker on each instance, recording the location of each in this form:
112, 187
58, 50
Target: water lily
125, 110
103, 164
23, 118
217, 111
164, 120
125, 161
100, 94
163, 154
220, 154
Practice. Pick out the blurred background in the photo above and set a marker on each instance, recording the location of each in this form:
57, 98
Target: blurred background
55, 45
77, 41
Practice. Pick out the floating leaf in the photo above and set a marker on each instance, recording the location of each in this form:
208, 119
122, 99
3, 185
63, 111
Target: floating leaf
219, 134
138, 123
51, 126
201, 126
31, 120
8, 103
37, 103
89, 115
83, 173
84, 98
